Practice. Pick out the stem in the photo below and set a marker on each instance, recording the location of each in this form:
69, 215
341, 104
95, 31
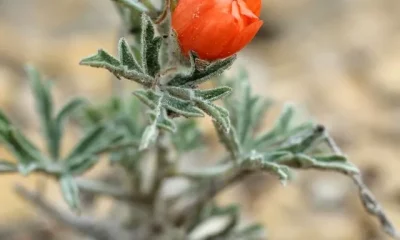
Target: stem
86, 226
161, 164
111, 191
370, 204
212, 188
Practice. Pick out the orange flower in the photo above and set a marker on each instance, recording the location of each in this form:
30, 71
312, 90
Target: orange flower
216, 29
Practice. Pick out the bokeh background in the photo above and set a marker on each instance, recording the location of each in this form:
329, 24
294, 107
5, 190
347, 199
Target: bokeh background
339, 60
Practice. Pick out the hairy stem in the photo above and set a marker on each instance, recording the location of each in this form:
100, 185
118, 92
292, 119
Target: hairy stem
115, 192
371, 205
83, 225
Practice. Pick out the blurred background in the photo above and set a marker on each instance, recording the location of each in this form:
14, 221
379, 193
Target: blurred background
339, 60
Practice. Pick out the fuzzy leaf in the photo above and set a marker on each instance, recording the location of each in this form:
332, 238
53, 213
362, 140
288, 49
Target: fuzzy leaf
102, 60
70, 192
209, 94
148, 97
44, 107
247, 111
256, 161
150, 47
126, 56
219, 114
28, 156
89, 143
3, 119
331, 158
180, 92
280, 128
188, 136
41, 92
182, 107
301, 143
229, 215
229, 139
213, 94
311, 162
67, 110
251, 232
151, 131
202, 75
149, 135
7, 167
81, 164
207, 173
58, 126
285, 118
164, 122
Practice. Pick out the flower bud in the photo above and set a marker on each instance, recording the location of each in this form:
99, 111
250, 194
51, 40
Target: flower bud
216, 29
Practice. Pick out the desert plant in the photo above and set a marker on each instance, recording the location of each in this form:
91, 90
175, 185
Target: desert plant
156, 125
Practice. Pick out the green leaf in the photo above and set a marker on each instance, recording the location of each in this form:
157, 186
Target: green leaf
202, 75
219, 114
283, 122
149, 135
81, 164
148, 97
70, 192
305, 162
58, 125
231, 213
3, 119
251, 232
151, 131
28, 156
89, 143
246, 109
331, 158
209, 94
256, 161
7, 167
213, 94
280, 128
182, 107
180, 92
301, 143
150, 47
188, 136
126, 56
44, 106
164, 122
67, 110
207, 173
229, 139
102, 60
41, 92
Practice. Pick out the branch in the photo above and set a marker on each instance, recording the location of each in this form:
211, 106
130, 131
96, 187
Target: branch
212, 188
371, 205
115, 192
83, 225
117, 147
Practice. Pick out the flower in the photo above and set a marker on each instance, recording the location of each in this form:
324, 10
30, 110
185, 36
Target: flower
216, 29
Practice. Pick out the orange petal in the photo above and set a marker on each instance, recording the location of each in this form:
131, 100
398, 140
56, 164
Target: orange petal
209, 35
243, 38
187, 11
254, 6
247, 16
